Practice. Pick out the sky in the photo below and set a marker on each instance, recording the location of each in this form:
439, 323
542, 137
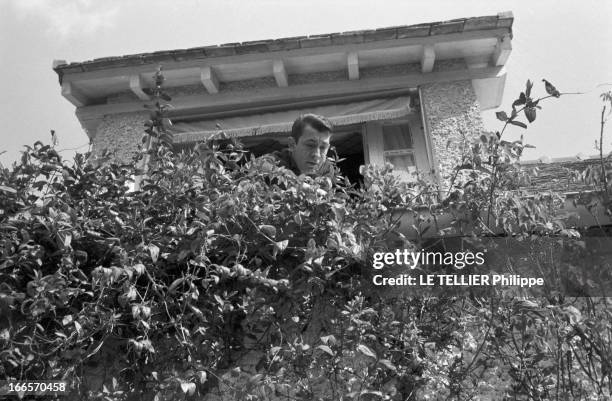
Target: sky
564, 41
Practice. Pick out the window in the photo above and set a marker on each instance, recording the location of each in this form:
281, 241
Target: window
347, 141
348, 144
400, 142
398, 148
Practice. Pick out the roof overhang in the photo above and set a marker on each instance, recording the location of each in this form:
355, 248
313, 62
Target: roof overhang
290, 72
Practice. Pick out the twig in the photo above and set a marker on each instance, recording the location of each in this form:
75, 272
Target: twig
77, 148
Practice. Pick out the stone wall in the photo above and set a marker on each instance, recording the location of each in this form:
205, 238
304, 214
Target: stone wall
120, 135
453, 119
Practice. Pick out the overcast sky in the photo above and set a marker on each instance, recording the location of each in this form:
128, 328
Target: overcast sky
566, 42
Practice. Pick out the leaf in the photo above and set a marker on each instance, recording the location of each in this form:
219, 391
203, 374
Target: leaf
78, 328
325, 349
95, 350
7, 189
219, 299
573, 314
255, 378
297, 219
372, 392
175, 284
518, 123
201, 376
67, 240
528, 87
527, 304
530, 113
520, 101
330, 339
281, 245
366, 351
154, 251
268, 230
550, 89
501, 115
387, 364
368, 311
138, 268
188, 388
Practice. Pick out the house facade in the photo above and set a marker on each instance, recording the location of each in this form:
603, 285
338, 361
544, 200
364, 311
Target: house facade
408, 95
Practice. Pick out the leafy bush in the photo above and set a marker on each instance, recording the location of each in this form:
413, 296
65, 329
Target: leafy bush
238, 280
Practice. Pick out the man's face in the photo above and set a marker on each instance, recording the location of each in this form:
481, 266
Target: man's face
310, 151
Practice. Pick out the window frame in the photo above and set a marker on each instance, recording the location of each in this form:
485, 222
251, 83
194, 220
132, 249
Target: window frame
375, 153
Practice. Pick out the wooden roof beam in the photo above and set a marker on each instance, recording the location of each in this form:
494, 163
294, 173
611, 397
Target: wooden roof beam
353, 65
75, 96
280, 73
209, 80
502, 51
136, 87
428, 58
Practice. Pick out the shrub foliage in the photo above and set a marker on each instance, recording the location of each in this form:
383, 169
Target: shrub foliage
231, 278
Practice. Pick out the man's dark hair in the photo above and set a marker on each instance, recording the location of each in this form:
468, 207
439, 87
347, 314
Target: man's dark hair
320, 123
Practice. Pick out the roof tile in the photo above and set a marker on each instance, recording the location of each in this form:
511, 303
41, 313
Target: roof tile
158, 57
413, 31
185, 54
72, 67
219, 51
285, 44
447, 27
488, 22
316, 41
252, 47
504, 22
111, 62
505, 19
104, 59
380, 34
346, 38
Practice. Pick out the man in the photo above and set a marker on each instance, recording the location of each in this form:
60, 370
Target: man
308, 146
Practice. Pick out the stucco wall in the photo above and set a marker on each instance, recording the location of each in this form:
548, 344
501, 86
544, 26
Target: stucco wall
453, 119
120, 134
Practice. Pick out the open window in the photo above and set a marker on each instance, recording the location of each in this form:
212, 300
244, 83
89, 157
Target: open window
346, 142
375, 131
400, 142
398, 148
